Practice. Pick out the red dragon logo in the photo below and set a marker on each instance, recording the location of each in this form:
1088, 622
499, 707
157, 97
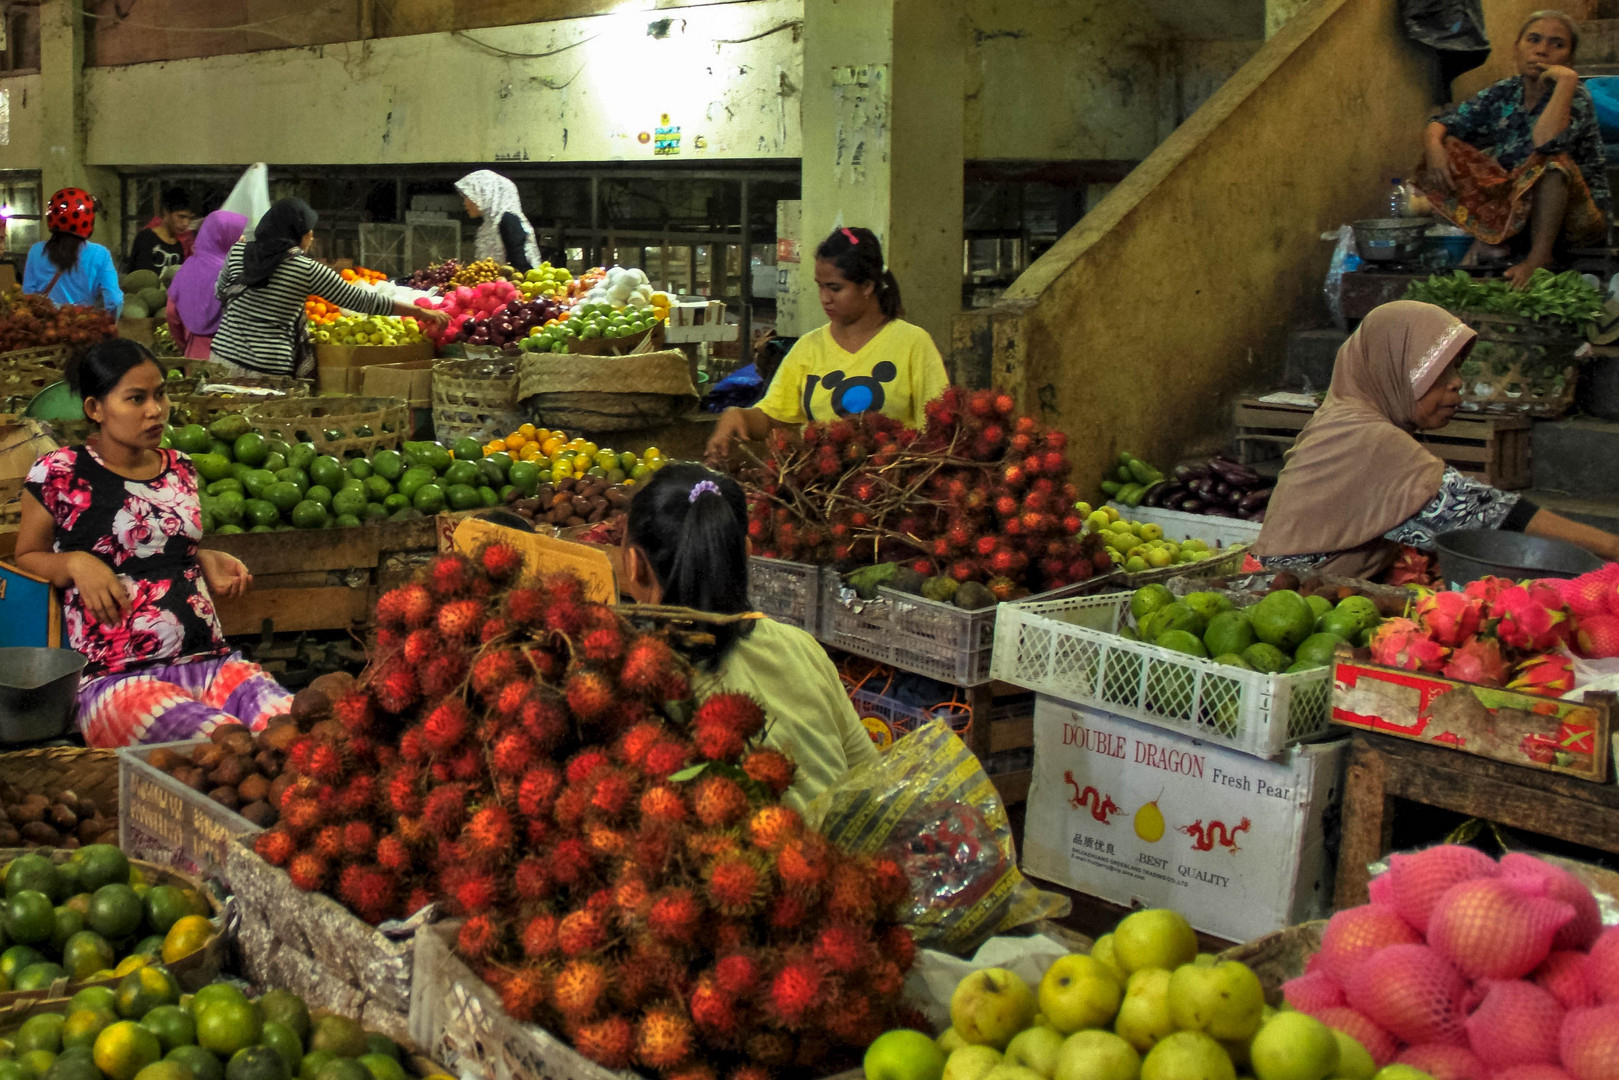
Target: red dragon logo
1216, 832
1100, 805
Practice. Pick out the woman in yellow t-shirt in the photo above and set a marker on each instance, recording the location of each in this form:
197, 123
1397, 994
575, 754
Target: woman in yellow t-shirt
866, 359
686, 543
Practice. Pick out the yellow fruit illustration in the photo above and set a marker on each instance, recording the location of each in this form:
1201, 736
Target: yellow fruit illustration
1149, 822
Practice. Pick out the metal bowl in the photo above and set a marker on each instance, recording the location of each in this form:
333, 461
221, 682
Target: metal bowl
1390, 239
1469, 554
37, 687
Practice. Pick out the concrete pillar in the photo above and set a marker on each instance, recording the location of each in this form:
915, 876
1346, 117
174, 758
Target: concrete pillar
883, 106
63, 123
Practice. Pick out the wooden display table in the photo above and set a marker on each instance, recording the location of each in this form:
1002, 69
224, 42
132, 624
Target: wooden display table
1382, 769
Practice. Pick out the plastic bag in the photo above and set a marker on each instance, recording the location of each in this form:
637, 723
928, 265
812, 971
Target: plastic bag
251, 195
1345, 260
928, 803
1452, 28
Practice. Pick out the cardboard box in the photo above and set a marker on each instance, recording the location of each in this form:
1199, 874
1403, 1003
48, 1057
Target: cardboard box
338, 368
1139, 815
1569, 737
411, 381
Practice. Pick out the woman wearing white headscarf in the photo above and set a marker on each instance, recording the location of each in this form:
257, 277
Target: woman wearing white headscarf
505, 235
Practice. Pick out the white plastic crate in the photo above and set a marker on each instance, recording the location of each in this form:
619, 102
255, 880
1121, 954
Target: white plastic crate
1179, 525
789, 592
909, 632
1071, 649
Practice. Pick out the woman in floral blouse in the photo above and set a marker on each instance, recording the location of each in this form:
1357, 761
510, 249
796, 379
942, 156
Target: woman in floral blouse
115, 524
1524, 151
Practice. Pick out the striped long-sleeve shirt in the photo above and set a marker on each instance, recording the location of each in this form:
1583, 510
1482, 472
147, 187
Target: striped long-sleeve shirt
260, 326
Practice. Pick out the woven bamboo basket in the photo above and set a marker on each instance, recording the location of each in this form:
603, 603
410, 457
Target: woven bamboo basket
1519, 366
1280, 956
21, 383
475, 399
612, 393
11, 513
47, 356
342, 426
88, 772
194, 407
22, 437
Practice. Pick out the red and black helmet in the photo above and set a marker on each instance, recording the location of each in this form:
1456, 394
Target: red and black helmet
72, 210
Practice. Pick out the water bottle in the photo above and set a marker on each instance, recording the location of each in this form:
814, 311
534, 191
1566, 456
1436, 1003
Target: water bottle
1399, 199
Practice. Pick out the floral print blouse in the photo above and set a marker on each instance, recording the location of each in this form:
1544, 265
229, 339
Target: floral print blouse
147, 531
1495, 122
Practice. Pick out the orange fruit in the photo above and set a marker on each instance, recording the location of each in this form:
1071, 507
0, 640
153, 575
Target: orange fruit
528, 431
186, 936
124, 1049
495, 446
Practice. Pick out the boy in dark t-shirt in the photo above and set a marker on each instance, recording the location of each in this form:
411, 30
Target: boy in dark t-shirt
160, 245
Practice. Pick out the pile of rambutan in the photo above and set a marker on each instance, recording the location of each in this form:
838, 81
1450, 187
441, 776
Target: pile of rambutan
618, 852
980, 494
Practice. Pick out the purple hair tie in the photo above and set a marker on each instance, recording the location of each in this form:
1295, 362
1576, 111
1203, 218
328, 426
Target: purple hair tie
702, 486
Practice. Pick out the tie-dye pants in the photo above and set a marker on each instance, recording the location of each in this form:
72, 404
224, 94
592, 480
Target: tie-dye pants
177, 701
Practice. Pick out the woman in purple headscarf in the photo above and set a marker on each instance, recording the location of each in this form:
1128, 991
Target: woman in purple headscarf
194, 308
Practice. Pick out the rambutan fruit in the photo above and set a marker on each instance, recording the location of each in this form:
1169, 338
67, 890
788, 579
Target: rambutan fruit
579, 989
581, 932
467, 765
771, 768
490, 834
770, 1048
606, 841
495, 628
445, 809
329, 843
512, 755
719, 801
590, 694
736, 975
500, 561
609, 1042
355, 711
632, 899
664, 1037
713, 1011
571, 861
843, 949
450, 575
523, 996
299, 813
539, 936
538, 791
675, 916
395, 686
326, 763
665, 759
787, 912
393, 854
492, 671
404, 791
275, 847
447, 726
849, 892
583, 764
649, 665
543, 720
603, 644
359, 840
508, 703
565, 613
896, 943
795, 988
298, 755
886, 978
348, 884
407, 607
804, 863
531, 878
460, 621
663, 803
890, 884
734, 711
750, 1072
568, 811
737, 883
526, 605
307, 871
376, 895
717, 743
473, 890
771, 827
443, 673
412, 747
420, 646
611, 792
851, 1021
655, 844
479, 937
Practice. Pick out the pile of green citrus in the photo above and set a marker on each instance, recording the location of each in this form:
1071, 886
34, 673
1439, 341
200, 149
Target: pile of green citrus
145, 1029
91, 918
1283, 632
254, 483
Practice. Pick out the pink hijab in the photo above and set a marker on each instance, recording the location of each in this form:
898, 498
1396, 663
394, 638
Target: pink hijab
1355, 471
192, 289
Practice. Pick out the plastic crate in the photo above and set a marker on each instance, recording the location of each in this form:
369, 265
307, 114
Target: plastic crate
1223, 562
898, 719
164, 821
1070, 648
1179, 525
789, 592
912, 633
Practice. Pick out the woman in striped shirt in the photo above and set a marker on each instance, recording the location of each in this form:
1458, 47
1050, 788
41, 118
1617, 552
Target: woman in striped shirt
264, 286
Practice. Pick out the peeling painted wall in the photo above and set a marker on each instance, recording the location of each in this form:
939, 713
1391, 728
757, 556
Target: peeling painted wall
602, 85
21, 147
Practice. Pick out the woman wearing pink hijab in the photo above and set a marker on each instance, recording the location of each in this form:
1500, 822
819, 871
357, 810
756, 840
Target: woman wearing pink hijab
194, 309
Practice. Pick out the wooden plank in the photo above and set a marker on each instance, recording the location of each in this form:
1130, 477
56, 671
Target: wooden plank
1011, 734
1013, 786
331, 608
1368, 822
304, 550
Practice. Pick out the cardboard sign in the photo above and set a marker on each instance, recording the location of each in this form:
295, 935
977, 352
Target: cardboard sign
1137, 814
544, 555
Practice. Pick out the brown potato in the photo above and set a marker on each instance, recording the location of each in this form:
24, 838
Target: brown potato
334, 684
329, 731
27, 813
268, 762
9, 837
70, 844
225, 796
279, 785
575, 520
196, 778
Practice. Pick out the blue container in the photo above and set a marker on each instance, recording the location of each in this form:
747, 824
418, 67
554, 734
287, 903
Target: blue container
1453, 248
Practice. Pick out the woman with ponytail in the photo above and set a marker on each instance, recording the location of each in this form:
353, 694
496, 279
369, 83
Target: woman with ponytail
866, 359
687, 545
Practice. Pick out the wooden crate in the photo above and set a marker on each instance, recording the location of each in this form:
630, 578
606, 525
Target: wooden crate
1492, 448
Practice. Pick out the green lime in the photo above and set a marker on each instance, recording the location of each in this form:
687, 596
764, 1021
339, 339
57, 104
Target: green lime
69, 921
387, 464
488, 496
339, 1034
459, 497
437, 456
39, 976
37, 1064
319, 493
295, 476
373, 512
260, 512
274, 461
349, 501
144, 989
212, 993
312, 1063
230, 483
302, 455
172, 1025
83, 1025
525, 476
124, 1049
283, 496
381, 1044
359, 469
467, 449
414, 478
327, 471
191, 439
115, 912
86, 953
34, 872
202, 1063
346, 521
429, 498
94, 998
383, 1067
396, 502
42, 1032
501, 463
286, 1009
240, 472
151, 945
461, 472
285, 1042
229, 529
1345, 624
29, 919
309, 514
249, 449
211, 467
165, 1070
228, 1026
376, 488
257, 1063
256, 481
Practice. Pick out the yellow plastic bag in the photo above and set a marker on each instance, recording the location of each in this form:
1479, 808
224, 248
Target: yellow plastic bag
928, 803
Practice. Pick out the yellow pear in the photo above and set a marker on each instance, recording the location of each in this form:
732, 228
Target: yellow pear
1097, 1055
1187, 1055
990, 1006
1144, 1014
1221, 1000
1154, 938
1103, 950
1293, 1046
1079, 991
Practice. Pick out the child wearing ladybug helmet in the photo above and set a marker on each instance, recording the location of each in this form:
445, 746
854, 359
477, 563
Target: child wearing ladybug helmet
68, 268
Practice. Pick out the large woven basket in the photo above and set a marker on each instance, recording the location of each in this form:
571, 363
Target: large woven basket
475, 399
21, 383
195, 405
1519, 366
359, 425
47, 356
1279, 956
89, 772
610, 393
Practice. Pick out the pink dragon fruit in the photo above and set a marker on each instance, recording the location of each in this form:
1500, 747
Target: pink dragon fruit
1549, 675
1450, 617
1478, 661
1486, 588
1598, 636
1523, 621
1403, 644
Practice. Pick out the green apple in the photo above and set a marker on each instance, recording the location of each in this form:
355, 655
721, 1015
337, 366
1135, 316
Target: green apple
950, 1041
1294, 1046
1354, 1063
1144, 1014
1097, 1055
1401, 1072
990, 1006
971, 1062
1004, 1071
1187, 1055
1154, 938
1035, 1048
903, 1054
1220, 1000
1103, 950
1079, 991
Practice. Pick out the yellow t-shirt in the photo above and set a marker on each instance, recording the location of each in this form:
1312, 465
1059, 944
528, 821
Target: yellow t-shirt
896, 373
808, 713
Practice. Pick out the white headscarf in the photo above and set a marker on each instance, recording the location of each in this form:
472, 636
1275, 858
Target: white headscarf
496, 196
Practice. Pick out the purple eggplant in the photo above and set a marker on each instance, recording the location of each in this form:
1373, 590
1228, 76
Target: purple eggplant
1255, 500
1233, 473
1190, 506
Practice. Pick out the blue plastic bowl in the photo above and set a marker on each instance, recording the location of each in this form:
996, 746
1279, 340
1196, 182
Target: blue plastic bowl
1454, 247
